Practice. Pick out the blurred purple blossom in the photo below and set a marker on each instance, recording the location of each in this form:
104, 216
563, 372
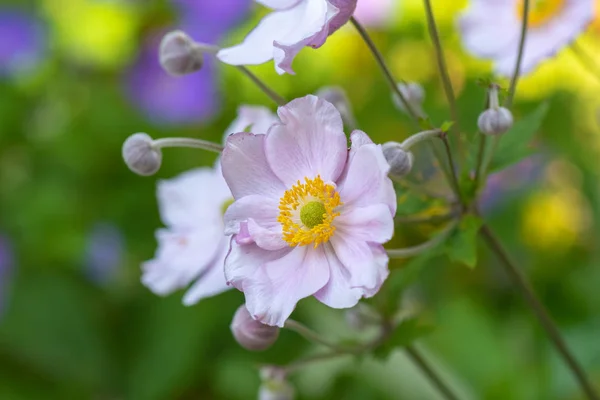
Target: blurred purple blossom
23, 42
104, 253
509, 182
6, 270
195, 97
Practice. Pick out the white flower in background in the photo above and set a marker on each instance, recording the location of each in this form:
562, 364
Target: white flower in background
292, 25
491, 29
193, 246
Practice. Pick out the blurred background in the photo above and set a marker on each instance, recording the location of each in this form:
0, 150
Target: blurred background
77, 77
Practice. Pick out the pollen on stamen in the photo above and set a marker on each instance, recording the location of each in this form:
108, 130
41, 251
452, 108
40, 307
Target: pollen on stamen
299, 209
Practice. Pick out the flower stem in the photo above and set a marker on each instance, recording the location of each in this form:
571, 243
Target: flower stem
419, 360
420, 137
441, 63
517, 71
212, 49
416, 250
519, 280
453, 176
480, 153
187, 142
314, 337
384, 68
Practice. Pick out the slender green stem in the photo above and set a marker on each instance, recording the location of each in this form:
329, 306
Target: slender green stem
520, 281
426, 219
212, 49
301, 363
480, 156
314, 337
187, 142
416, 250
517, 71
420, 137
384, 68
426, 368
586, 60
453, 176
441, 63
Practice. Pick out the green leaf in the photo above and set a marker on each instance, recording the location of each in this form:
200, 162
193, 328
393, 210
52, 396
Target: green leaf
514, 144
461, 246
446, 126
405, 334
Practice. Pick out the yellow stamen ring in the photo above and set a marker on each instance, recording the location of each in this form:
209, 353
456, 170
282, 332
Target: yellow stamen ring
307, 211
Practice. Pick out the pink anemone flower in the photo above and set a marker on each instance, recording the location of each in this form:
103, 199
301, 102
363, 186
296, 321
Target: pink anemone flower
309, 216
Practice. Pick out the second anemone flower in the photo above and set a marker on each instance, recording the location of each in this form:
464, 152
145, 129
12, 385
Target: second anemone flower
293, 25
310, 216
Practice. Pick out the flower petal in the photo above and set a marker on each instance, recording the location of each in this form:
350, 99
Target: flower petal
338, 292
373, 223
287, 26
357, 257
366, 181
245, 167
193, 198
263, 210
256, 119
243, 261
180, 258
212, 281
309, 142
267, 238
272, 293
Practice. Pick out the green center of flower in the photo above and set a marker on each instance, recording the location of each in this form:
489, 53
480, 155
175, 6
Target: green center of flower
226, 205
312, 214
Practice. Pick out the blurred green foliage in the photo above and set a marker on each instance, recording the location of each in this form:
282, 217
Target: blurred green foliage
64, 336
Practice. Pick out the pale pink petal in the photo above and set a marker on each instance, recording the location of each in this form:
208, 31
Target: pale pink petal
366, 181
212, 281
338, 292
490, 27
243, 261
192, 198
180, 258
357, 257
345, 10
288, 26
255, 119
245, 167
263, 210
272, 293
380, 264
309, 142
268, 238
372, 223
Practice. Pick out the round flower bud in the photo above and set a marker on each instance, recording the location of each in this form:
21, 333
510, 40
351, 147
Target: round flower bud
140, 156
400, 160
412, 92
179, 55
251, 334
495, 121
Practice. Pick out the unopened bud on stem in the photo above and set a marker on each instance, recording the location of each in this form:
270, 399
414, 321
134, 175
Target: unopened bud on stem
179, 54
496, 119
400, 160
274, 385
251, 334
140, 155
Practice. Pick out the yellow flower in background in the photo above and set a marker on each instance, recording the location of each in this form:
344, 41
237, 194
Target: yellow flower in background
94, 32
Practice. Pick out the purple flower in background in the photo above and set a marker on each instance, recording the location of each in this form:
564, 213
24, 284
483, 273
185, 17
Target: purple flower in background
191, 98
503, 185
104, 253
23, 42
6, 267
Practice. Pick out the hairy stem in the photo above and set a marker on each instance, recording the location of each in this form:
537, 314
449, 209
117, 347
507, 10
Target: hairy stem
519, 280
187, 142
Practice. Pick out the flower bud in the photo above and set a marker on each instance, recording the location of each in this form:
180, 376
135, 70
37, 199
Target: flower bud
413, 93
179, 55
337, 96
495, 121
400, 160
140, 156
274, 385
251, 334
